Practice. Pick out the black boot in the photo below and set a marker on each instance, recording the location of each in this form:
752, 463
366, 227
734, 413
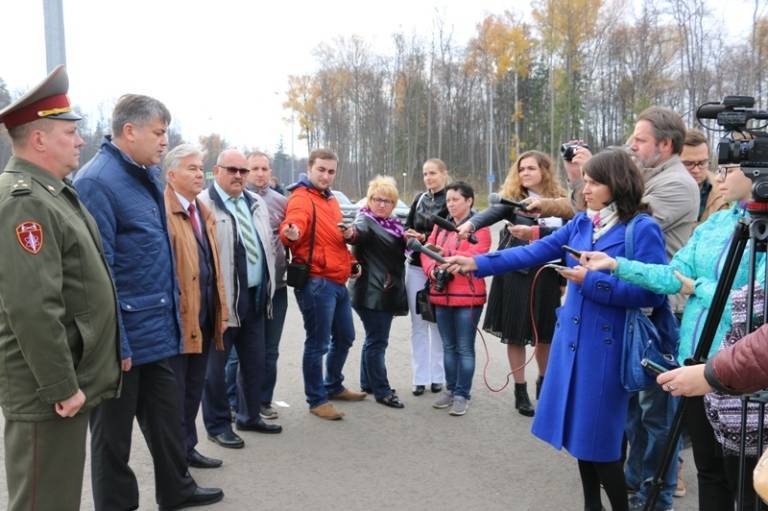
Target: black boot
522, 403
539, 383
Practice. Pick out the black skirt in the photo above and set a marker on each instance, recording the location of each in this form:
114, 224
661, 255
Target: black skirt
507, 313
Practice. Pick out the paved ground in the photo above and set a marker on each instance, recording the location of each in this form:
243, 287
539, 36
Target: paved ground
378, 458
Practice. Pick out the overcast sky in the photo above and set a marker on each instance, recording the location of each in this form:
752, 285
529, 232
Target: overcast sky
223, 66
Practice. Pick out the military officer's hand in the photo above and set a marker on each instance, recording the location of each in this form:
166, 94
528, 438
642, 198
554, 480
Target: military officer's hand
126, 364
70, 406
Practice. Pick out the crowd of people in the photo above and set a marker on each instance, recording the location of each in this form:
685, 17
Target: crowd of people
154, 297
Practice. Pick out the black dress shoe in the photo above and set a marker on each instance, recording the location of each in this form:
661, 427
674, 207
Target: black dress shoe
228, 439
418, 390
436, 387
259, 426
197, 460
391, 400
200, 497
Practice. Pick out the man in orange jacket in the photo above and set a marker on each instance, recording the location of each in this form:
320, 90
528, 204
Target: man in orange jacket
313, 230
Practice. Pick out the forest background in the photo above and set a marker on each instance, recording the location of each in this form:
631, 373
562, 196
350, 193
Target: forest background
565, 69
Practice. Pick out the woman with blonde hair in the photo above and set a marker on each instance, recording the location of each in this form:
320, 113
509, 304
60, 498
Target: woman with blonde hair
508, 313
378, 294
426, 344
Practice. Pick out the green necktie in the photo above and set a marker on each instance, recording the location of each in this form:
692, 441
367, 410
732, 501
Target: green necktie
246, 231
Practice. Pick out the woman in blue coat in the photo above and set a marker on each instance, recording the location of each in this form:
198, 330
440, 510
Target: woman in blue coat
583, 405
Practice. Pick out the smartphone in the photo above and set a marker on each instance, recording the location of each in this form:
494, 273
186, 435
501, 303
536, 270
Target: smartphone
575, 253
652, 367
557, 267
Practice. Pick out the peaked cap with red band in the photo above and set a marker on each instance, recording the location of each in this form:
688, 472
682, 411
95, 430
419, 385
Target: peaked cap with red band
46, 101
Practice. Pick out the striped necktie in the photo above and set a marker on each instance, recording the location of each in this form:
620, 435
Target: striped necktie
246, 231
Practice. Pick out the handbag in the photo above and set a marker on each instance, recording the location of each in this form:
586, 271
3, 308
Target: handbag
423, 305
297, 272
655, 337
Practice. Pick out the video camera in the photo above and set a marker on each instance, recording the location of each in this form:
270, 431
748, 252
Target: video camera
746, 146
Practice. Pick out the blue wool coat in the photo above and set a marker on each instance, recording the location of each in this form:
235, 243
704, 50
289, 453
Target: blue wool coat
583, 406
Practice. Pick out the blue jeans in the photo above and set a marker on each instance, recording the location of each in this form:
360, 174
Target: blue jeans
457, 327
373, 370
327, 312
649, 420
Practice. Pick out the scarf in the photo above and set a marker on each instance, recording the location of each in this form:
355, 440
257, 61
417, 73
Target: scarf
392, 225
602, 220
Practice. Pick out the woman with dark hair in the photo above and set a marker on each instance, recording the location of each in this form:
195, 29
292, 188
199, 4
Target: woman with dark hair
507, 314
458, 300
583, 404
694, 271
378, 294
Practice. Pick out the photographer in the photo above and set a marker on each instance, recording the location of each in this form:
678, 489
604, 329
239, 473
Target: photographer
508, 313
458, 300
575, 154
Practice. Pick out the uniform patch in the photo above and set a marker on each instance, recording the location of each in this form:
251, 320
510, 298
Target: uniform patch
30, 236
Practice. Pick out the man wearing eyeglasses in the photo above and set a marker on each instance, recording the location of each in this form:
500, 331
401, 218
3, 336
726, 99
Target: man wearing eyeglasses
695, 157
247, 269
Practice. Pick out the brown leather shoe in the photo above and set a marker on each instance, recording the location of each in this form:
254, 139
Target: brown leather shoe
348, 395
327, 411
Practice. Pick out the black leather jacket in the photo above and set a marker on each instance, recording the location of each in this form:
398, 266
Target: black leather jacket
382, 284
419, 218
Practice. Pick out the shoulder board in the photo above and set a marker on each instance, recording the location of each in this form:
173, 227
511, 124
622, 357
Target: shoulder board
21, 184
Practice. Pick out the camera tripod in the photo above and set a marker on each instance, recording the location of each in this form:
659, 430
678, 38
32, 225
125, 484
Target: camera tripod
753, 228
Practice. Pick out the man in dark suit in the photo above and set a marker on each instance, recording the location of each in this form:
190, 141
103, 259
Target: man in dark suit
203, 305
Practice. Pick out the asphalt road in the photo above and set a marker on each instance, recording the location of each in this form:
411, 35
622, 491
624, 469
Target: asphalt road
379, 458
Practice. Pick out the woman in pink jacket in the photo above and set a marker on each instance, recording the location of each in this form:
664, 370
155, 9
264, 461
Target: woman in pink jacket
458, 299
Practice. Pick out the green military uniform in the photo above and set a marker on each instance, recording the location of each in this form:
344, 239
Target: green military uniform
58, 334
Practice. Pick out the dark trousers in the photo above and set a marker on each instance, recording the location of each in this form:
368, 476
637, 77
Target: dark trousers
248, 340
273, 331
190, 377
151, 395
731, 465
714, 492
373, 370
44, 463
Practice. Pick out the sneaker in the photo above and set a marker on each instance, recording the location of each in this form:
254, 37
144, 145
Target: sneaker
268, 413
444, 401
460, 405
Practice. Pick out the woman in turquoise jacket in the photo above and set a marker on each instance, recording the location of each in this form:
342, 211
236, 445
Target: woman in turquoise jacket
694, 271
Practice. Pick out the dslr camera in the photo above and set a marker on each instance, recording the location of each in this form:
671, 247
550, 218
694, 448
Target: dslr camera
747, 146
442, 278
569, 150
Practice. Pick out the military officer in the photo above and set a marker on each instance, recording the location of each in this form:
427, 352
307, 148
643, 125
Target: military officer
59, 338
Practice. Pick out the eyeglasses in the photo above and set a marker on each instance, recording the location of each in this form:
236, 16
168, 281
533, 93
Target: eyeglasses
690, 165
724, 170
235, 170
379, 200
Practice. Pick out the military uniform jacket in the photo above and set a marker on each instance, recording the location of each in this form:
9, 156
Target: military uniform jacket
58, 306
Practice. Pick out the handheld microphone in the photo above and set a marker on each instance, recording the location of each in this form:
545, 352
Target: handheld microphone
414, 245
450, 226
495, 198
